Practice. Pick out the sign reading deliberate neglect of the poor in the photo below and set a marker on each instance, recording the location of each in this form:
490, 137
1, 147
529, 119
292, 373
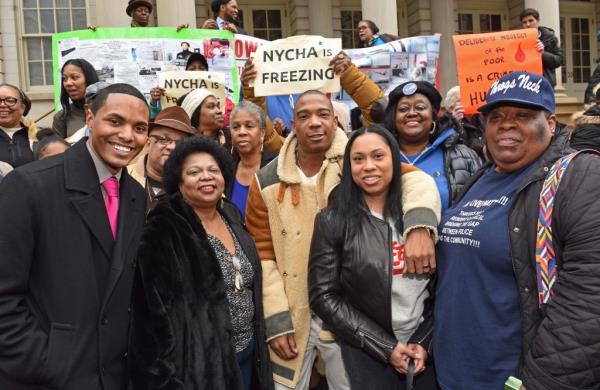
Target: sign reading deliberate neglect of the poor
295, 65
177, 83
483, 58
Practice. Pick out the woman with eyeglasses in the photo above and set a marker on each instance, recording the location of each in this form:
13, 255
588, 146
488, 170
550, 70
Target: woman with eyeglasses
427, 141
197, 308
17, 133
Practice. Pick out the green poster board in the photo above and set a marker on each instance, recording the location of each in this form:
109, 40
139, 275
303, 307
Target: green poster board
137, 55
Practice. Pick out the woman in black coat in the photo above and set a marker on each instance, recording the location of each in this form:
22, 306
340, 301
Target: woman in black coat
197, 319
359, 240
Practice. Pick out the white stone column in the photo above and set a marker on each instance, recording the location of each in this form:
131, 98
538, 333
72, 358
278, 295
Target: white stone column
442, 22
173, 13
320, 18
549, 17
111, 13
383, 12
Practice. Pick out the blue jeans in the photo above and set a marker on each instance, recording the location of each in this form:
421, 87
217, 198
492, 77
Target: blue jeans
245, 360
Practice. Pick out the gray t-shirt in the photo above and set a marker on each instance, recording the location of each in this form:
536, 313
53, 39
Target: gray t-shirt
409, 291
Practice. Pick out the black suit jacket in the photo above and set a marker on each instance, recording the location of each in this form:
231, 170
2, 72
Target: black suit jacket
65, 284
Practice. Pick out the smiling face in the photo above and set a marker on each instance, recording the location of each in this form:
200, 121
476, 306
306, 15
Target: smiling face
119, 129
517, 136
365, 34
314, 123
73, 81
202, 183
141, 15
246, 135
414, 119
229, 11
159, 148
10, 114
371, 164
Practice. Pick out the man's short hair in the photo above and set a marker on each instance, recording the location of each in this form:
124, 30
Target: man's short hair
123, 88
311, 92
215, 6
530, 12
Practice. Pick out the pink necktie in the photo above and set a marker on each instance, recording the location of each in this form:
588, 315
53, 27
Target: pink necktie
111, 186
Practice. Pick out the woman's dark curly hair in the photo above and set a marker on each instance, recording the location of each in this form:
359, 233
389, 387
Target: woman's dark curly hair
195, 144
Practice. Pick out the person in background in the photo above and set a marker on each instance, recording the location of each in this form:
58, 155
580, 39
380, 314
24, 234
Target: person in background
17, 133
586, 133
66, 289
358, 241
195, 62
226, 17
197, 316
428, 142
77, 75
547, 44
248, 125
139, 11
470, 127
204, 110
500, 310
171, 126
49, 144
368, 34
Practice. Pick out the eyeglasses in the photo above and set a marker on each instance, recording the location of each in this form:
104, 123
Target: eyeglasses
239, 281
164, 141
419, 107
9, 101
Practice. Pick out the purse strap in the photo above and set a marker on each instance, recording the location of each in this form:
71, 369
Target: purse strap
410, 374
545, 256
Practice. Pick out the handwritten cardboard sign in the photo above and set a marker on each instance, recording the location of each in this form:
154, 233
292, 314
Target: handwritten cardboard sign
483, 58
295, 65
179, 82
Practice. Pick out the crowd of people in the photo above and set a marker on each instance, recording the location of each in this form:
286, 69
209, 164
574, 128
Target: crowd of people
206, 246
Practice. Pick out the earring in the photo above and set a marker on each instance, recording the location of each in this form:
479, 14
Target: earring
432, 129
262, 143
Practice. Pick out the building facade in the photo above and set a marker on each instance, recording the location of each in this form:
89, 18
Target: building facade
26, 27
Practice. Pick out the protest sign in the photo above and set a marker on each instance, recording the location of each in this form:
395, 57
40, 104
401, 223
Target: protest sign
177, 83
295, 65
138, 55
245, 47
391, 64
483, 58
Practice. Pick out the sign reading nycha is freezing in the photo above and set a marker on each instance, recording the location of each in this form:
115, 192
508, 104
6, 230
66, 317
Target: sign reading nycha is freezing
295, 65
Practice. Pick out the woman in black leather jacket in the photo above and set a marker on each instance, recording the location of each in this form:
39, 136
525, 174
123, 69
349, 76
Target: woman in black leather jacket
357, 279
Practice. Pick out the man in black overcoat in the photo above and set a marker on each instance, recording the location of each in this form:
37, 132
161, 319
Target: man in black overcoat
67, 247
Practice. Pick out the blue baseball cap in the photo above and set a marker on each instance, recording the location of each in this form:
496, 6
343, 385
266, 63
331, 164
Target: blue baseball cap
521, 89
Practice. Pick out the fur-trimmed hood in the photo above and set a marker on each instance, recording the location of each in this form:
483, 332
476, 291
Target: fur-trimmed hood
580, 118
